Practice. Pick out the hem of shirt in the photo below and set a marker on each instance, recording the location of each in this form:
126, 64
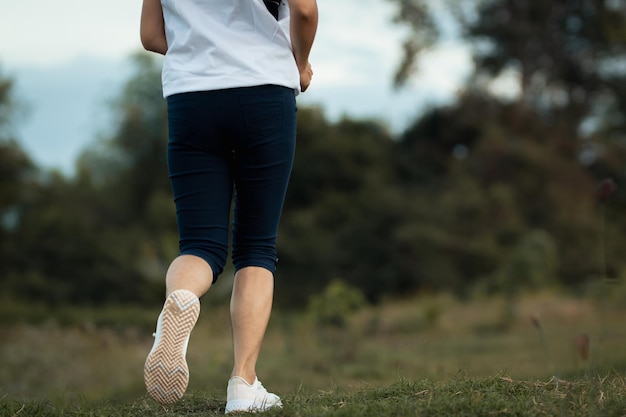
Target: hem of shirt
193, 85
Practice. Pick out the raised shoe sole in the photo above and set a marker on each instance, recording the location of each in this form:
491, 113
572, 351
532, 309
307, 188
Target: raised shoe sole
166, 373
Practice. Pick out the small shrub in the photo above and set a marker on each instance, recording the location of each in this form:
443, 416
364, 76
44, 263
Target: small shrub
336, 304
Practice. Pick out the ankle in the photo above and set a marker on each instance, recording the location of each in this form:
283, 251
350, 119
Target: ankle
249, 377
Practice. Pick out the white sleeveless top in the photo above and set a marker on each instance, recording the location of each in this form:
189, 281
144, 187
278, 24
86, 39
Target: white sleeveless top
217, 44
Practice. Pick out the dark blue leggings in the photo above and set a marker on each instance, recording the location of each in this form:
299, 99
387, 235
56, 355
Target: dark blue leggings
239, 140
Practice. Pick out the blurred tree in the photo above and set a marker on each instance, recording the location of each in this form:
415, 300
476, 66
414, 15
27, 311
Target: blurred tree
342, 210
131, 165
566, 57
493, 191
103, 236
17, 173
566, 53
423, 33
569, 57
560, 124
68, 252
491, 177
15, 166
132, 160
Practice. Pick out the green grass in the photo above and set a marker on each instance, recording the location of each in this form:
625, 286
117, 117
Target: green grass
424, 356
494, 396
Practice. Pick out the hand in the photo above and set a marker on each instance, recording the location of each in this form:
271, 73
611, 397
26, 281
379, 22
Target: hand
305, 77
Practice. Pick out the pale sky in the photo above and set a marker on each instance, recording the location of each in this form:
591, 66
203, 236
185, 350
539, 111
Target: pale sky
46, 44
47, 33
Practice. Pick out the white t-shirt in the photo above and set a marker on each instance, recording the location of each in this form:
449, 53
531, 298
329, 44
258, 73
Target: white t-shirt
217, 44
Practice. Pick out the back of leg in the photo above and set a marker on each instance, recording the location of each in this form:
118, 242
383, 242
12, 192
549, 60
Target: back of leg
201, 174
264, 153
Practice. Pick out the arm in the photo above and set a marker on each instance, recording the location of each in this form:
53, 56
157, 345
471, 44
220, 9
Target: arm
152, 28
304, 17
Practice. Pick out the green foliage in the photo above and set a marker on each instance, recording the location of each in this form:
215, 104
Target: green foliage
9, 107
90, 239
131, 163
565, 63
335, 305
334, 223
565, 56
423, 33
16, 174
531, 265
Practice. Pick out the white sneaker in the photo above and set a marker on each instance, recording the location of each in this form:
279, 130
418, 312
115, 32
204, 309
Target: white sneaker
165, 372
242, 396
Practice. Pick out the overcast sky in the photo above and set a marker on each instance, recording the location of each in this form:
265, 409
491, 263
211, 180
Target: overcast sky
68, 58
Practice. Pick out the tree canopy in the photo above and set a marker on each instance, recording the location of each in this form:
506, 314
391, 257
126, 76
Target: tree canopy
490, 193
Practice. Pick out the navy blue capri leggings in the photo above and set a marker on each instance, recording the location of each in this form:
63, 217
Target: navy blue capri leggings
239, 140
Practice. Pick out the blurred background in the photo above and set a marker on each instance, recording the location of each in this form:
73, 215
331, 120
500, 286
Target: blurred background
456, 203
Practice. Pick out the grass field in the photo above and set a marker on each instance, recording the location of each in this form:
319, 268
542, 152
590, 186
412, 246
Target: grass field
494, 396
422, 356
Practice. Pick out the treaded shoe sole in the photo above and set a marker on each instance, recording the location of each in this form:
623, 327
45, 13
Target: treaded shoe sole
165, 372
250, 406
240, 406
